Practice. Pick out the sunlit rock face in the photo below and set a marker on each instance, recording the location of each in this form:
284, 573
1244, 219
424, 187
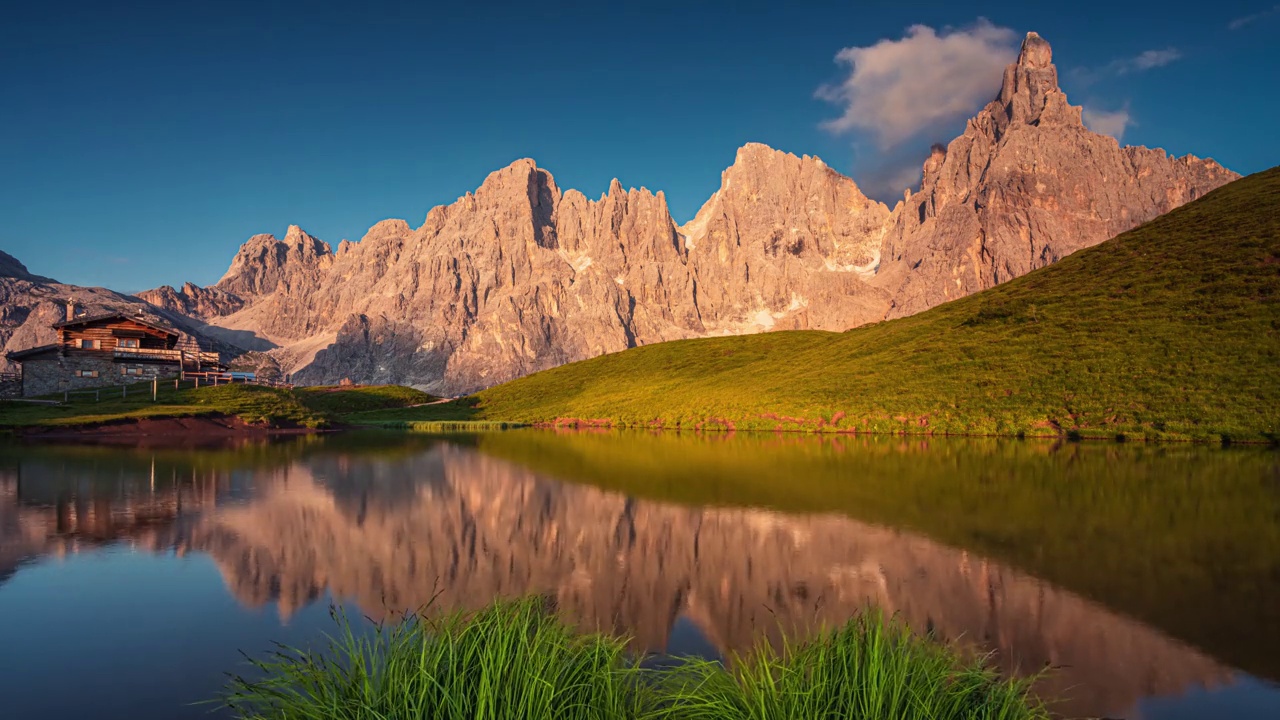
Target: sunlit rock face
521, 276
1025, 185
457, 528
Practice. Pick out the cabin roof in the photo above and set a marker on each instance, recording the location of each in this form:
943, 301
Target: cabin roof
30, 352
88, 319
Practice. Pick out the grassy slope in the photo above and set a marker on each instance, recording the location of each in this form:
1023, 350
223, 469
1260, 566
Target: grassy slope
1171, 330
305, 407
342, 402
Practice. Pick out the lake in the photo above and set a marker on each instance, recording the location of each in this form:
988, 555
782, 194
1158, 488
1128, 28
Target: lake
1145, 579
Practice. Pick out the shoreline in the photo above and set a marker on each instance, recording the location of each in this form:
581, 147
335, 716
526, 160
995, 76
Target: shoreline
221, 427
193, 429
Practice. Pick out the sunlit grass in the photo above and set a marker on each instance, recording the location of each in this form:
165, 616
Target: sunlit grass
872, 667
517, 660
252, 403
512, 660
312, 407
339, 401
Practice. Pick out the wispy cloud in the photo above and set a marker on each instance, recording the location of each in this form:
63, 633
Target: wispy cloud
1146, 60
1108, 122
898, 88
1150, 59
1250, 19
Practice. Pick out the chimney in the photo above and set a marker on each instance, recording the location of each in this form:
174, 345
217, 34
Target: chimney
71, 310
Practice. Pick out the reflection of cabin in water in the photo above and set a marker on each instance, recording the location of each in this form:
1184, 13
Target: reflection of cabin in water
113, 348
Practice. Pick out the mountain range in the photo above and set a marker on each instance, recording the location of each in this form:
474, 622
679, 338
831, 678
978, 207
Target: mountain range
521, 275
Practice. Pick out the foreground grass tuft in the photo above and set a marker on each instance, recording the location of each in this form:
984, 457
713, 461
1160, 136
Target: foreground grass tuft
512, 660
517, 660
870, 668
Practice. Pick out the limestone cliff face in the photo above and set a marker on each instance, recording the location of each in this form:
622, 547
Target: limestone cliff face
785, 243
1025, 185
193, 300
521, 276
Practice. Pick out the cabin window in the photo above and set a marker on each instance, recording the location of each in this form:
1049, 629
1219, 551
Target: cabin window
130, 370
87, 373
87, 344
129, 342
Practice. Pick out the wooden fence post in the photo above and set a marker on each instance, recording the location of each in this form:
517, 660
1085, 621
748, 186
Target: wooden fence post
155, 388
97, 396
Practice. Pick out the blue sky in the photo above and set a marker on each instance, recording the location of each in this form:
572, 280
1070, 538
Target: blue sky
141, 145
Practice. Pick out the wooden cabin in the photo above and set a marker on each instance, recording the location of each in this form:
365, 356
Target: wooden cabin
94, 351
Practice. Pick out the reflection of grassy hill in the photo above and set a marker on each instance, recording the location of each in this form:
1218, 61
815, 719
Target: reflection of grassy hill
1171, 330
1180, 537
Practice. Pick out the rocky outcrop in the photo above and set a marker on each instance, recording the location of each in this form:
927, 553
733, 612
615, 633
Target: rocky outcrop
785, 243
10, 267
1025, 185
521, 276
193, 300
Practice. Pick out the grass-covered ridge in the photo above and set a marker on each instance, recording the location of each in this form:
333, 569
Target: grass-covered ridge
314, 407
516, 660
1169, 331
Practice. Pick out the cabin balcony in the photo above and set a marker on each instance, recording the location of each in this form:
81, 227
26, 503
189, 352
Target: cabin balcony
188, 357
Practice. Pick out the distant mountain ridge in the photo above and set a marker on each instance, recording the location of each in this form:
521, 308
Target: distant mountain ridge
520, 276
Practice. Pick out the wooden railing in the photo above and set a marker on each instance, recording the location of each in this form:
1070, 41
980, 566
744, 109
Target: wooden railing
189, 357
223, 378
8, 377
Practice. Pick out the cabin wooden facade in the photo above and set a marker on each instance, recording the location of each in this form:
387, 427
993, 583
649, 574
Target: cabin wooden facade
94, 351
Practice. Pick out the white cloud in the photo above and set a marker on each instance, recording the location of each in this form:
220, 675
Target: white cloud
1108, 122
1151, 59
897, 88
1249, 19
1146, 60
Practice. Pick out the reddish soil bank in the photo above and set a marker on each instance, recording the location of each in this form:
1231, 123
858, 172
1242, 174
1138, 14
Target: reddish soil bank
188, 431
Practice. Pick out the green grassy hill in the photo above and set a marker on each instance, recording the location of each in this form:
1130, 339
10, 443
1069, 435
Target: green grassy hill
1169, 331
311, 407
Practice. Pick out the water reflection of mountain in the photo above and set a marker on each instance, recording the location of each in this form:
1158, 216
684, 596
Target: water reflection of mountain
658, 535
469, 527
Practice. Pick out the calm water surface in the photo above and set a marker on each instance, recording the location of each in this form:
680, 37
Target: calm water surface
1147, 579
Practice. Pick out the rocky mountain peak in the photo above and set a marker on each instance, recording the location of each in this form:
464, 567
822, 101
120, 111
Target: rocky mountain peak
263, 261
521, 178
1030, 93
297, 240
1026, 184
754, 159
1036, 52
517, 276
11, 267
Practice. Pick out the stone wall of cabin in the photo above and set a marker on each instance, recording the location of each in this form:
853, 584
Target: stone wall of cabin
54, 374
